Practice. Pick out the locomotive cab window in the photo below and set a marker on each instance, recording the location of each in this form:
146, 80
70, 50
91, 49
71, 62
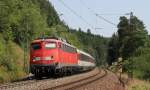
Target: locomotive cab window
36, 46
50, 45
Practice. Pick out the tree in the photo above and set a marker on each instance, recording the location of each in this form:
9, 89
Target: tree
131, 36
88, 31
113, 52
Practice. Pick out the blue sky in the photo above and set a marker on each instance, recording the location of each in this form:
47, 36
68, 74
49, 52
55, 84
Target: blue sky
109, 9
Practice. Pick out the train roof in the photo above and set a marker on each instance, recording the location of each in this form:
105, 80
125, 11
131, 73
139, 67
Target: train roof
41, 40
52, 38
55, 39
82, 52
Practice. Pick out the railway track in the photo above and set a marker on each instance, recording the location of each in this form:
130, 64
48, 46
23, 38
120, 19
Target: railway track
79, 83
55, 84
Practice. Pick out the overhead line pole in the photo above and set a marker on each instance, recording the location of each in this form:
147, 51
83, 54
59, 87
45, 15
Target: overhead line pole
131, 29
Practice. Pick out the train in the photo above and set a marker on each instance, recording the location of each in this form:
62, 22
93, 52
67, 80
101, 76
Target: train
53, 56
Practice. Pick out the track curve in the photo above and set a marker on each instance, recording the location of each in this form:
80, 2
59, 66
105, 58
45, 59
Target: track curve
70, 82
79, 83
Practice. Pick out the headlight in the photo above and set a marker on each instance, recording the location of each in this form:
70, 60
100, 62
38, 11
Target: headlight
37, 58
43, 58
47, 58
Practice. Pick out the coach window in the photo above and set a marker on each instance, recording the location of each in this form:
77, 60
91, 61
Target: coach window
50, 45
63, 47
68, 49
71, 49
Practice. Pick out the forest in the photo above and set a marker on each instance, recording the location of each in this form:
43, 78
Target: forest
22, 21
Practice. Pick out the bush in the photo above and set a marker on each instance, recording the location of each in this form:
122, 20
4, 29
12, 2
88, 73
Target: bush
141, 64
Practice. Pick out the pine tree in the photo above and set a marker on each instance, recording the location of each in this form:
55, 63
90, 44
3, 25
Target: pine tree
131, 36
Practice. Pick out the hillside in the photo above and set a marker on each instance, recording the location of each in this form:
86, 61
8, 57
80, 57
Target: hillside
21, 21
11, 61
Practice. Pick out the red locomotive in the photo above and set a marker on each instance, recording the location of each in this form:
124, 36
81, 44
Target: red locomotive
51, 56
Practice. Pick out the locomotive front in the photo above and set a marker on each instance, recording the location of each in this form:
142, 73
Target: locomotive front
43, 56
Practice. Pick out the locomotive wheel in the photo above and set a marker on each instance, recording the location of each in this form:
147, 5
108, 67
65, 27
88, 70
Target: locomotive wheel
65, 71
60, 72
69, 71
54, 73
38, 75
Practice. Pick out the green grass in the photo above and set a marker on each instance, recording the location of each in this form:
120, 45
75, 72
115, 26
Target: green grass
139, 85
11, 62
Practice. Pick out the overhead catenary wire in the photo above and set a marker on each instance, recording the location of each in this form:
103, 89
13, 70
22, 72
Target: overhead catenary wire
105, 20
79, 16
110, 14
98, 15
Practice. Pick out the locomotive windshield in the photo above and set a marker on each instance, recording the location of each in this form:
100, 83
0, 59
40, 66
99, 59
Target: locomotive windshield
36, 46
50, 45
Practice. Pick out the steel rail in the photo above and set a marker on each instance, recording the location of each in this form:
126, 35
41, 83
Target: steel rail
78, 82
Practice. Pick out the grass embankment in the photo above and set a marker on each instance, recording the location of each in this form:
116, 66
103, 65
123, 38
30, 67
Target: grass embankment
138, 85
135, 84
11, 61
